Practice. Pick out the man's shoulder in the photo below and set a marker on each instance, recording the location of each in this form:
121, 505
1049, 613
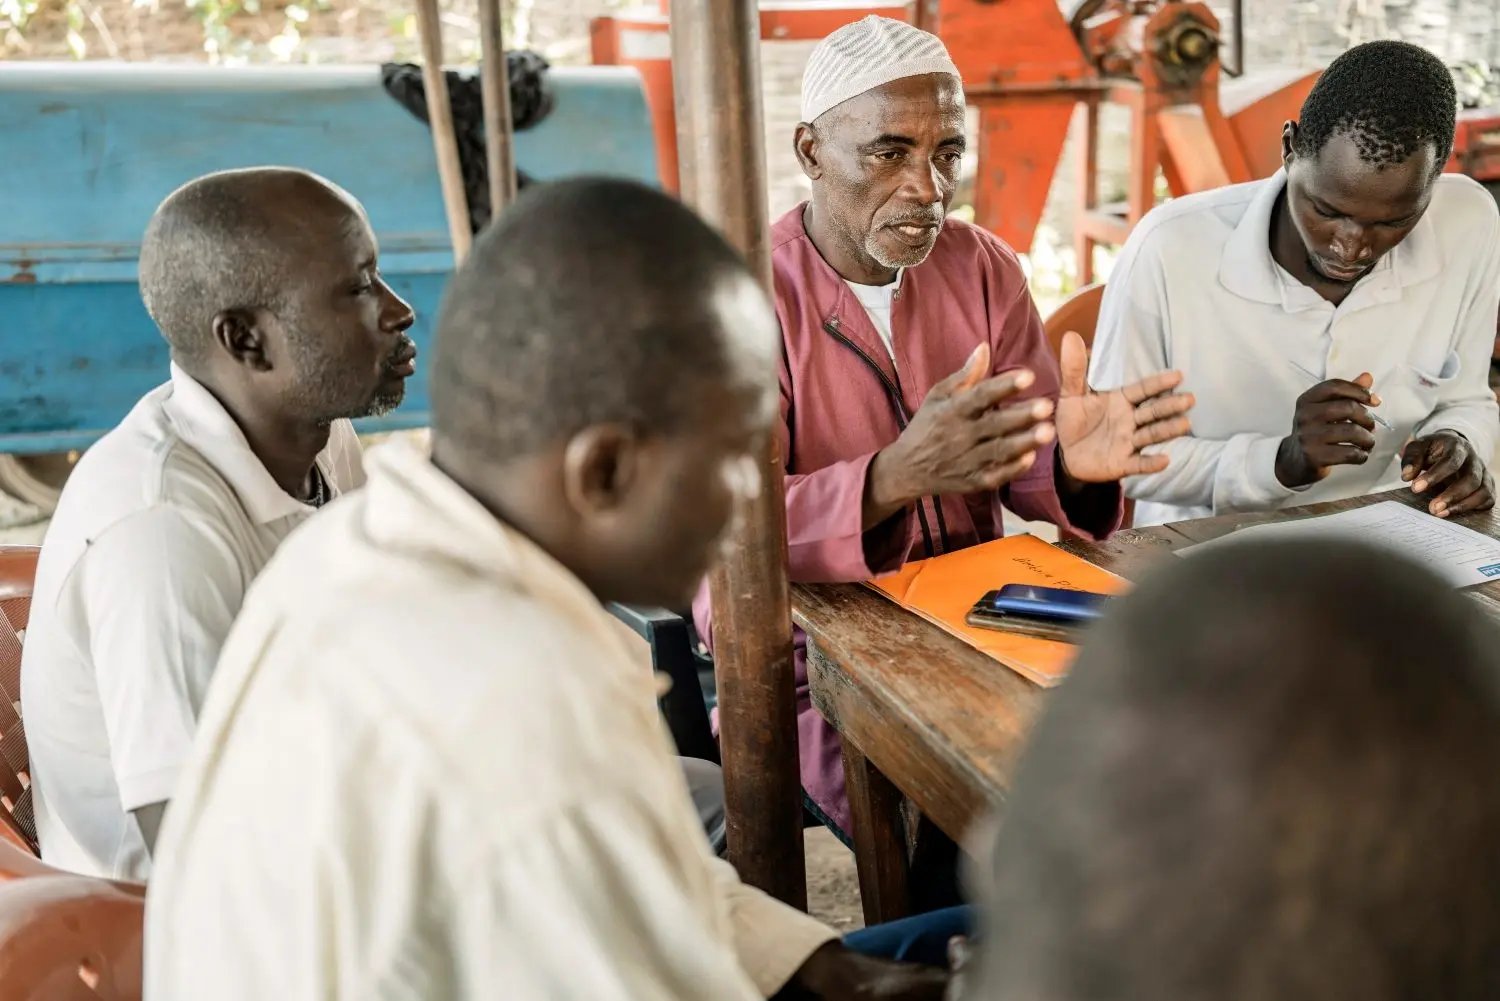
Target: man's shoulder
139, 473
418, 613
1196, 221
463, 665
788, 229
1461, 205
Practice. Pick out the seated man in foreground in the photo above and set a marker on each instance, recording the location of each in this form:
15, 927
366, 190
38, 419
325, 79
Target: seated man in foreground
465, 788
918, 392
264, 284
1212, 809
1335, 321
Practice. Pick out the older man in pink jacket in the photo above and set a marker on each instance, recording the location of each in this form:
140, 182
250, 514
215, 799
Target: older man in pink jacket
918, 393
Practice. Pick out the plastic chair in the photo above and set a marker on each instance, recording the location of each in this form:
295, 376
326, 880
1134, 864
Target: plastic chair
17, 862
672, 654
70, 938
17, 818
1079, 312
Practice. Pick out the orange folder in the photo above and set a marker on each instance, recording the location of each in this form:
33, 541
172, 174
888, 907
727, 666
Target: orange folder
944, 588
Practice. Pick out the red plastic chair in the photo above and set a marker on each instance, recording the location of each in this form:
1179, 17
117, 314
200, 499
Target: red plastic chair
17, 818
70, 938
1079, 312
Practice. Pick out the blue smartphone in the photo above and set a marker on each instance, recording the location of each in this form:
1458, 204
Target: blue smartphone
1049, 604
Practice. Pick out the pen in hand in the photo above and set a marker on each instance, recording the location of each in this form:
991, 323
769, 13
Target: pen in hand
1317, 378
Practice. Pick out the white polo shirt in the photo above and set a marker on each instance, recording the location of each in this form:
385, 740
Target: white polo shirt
161, 527
1197, 289
431, 766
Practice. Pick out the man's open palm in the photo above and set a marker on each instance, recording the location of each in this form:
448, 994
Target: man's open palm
1100, 435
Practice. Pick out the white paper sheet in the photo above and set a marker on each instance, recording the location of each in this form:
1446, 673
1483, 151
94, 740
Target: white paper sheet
1459, 555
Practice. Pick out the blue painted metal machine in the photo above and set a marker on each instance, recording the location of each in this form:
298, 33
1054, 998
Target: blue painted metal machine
87, 152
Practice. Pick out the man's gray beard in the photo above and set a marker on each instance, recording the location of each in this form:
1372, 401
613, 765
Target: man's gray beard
384, 403
908, 260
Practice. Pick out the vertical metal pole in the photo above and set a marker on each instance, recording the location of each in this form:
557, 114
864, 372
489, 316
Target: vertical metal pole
495, 79
1237, 45
721, 142
444, 140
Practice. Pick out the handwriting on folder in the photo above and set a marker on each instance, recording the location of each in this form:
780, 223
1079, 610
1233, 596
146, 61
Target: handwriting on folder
944, 588
1459, 555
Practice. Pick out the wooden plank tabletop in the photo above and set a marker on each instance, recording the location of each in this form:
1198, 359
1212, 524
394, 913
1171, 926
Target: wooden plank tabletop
944, 722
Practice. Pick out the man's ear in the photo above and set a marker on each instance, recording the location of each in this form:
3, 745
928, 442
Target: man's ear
241, 333
601, 465
805, 144
1288, 142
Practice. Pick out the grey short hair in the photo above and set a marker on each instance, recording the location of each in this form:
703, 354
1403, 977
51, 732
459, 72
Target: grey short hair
217, 244
590, 301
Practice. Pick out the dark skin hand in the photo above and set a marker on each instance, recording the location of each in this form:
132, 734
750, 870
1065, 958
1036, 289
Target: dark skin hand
1331, 426
837, 973
1100, 435
1444, 464
960, 441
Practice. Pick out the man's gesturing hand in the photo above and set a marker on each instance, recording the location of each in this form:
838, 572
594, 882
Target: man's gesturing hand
961, 440
1100, 435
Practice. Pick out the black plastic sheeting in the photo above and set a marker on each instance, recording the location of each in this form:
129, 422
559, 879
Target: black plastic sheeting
530, 101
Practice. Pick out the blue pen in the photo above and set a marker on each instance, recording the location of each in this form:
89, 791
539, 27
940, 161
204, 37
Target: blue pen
1373, 415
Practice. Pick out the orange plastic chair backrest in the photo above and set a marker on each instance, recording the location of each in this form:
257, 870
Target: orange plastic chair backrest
1079, 313
17, 817
70, 938
18, 862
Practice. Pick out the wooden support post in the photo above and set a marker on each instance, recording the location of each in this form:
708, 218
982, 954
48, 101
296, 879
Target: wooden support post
721, 142
444, 139
495, 80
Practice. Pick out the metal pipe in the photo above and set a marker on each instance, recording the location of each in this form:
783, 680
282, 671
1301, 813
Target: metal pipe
444, 139
722, 162
1237, 45
494, 72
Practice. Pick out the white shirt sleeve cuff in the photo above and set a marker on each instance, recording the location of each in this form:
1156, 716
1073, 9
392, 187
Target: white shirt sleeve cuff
1246, 477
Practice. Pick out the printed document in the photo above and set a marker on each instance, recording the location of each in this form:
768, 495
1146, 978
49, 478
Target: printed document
1459, 555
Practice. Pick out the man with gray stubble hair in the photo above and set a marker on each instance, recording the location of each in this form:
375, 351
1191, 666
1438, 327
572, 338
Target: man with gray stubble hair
265, 284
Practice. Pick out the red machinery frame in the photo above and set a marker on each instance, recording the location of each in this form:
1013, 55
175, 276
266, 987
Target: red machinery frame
1161, 59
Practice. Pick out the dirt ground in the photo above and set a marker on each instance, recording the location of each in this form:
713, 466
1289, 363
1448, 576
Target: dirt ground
832, 883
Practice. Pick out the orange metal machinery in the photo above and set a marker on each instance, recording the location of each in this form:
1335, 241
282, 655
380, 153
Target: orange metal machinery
1158, 58
640, 39
1028, 65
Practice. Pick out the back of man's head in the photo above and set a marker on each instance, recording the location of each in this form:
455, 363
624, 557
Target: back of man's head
604, 366
1271, 777
591, 301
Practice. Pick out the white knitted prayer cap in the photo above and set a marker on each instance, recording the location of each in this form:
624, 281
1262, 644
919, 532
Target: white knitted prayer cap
867, 54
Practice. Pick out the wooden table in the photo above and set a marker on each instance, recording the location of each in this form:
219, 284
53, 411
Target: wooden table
925, 717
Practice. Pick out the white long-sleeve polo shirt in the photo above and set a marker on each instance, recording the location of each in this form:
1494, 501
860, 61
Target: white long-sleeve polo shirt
1197, 289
